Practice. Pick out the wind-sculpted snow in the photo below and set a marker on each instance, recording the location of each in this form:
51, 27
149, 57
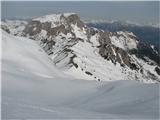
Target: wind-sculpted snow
32, 88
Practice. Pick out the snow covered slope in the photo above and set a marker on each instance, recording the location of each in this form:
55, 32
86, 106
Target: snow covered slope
14, 27
32, 88
124, 41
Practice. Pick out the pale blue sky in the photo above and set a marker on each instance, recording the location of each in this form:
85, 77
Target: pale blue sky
140, 12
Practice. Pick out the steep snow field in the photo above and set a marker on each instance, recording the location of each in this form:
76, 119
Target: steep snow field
32, 88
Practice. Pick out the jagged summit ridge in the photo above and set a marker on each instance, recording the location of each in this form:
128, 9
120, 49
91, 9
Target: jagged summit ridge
55, 24
56, 19
53, 17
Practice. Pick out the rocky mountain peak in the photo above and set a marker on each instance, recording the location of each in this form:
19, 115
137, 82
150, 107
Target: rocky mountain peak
52, 25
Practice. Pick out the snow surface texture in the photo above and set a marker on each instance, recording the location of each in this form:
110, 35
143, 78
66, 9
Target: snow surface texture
32, 88
124, 41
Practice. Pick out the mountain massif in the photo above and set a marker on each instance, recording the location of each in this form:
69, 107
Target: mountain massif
147, 33
90, 53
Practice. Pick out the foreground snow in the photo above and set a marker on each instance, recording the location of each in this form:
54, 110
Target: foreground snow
33, 88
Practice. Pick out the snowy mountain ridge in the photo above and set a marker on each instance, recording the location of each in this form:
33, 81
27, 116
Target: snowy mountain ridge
91, 53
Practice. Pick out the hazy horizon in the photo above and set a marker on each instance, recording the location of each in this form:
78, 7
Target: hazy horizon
144, 12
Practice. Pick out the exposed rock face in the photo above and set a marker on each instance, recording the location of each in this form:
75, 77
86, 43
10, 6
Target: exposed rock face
33, 28
145, 50
157, 69
74, 19
73, 45
62, 25
104, 38
5, 28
